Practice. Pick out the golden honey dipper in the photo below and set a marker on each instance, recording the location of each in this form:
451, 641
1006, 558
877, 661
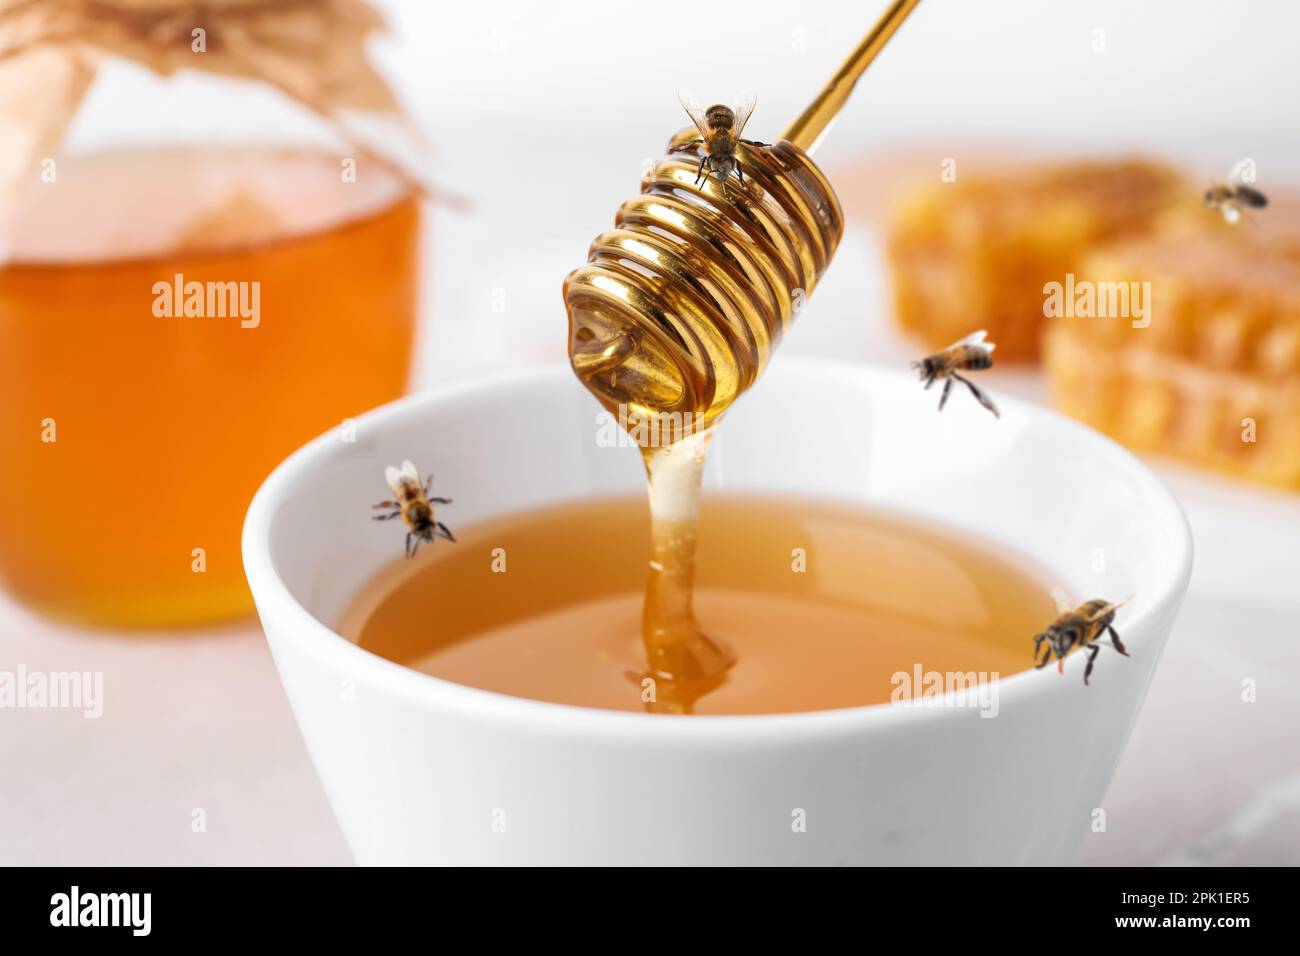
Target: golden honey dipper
676, 314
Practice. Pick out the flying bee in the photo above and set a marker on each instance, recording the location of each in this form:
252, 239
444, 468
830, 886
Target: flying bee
970, 354
720, 127
1231, 199
1080, 628
414, 506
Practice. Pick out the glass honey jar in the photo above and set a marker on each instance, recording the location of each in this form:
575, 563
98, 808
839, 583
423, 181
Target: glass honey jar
182, 306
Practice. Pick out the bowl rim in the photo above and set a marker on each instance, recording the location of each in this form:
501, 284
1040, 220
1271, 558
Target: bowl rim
294, 624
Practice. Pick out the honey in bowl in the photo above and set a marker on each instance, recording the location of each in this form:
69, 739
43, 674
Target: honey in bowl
136, 422
826, 604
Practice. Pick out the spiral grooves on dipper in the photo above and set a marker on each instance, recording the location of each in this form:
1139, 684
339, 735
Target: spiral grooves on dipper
680, 304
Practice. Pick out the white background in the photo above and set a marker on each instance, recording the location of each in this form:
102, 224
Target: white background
541, 116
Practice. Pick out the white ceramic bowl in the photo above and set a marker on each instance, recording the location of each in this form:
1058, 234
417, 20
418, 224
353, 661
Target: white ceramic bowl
419, 770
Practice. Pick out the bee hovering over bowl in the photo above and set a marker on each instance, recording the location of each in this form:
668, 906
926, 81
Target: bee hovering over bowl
720, 127
1232, 199
970, 354
1080, 627
414, 506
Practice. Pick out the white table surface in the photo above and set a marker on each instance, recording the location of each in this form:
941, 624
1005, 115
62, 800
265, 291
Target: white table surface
199, 721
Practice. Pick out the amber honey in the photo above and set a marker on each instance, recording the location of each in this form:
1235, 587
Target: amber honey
133, 441
824, 603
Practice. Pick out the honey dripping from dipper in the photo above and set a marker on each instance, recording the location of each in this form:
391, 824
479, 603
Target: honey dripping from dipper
676, 314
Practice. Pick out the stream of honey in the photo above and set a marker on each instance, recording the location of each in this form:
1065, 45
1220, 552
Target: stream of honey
675, 315
677, 311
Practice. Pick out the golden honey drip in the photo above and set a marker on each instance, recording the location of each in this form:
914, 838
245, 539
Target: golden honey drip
676, 314
675, 647
673, 318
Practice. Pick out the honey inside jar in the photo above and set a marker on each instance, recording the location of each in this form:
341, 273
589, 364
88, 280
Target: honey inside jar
135, 429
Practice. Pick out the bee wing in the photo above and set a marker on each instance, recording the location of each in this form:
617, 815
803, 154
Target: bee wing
394, 478
746, 100
1113, 606
975, 338
1060, 599
409, 471
694, 110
